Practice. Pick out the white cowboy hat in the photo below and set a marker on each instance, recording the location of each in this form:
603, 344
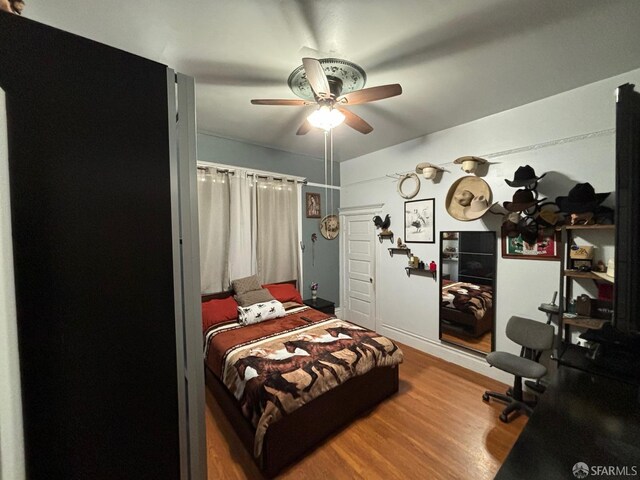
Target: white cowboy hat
461, 194
428, 170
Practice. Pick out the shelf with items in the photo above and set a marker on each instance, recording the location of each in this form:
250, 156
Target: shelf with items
420, 271
569, 276
584, 322
404, 251
586, 227
598, 276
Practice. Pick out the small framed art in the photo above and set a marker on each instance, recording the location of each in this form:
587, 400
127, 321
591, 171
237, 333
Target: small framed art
419, 221
313, 205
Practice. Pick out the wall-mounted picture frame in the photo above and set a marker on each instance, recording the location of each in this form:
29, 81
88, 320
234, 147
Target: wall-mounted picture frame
420, 221
313, 205
547, 246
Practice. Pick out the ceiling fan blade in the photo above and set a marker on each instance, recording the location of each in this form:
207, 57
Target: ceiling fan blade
316, 77
355, 122
270, 101
304, 128
371, 94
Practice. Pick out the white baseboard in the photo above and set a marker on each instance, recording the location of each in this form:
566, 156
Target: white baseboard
338, 312
468, 360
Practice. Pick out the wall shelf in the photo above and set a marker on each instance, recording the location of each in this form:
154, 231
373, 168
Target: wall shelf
420, 271
598, 276
584, 322
404, 251
586, 227
382, 237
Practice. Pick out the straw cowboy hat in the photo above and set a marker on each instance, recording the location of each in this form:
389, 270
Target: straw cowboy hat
469, 163
428, 170
581, 199
549, 216
524, 177
523, 199
461, 195
477, 208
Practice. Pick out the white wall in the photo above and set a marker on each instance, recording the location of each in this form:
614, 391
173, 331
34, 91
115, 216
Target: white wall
408, 307
11, 436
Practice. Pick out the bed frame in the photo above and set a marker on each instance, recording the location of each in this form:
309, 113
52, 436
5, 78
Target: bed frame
303, 429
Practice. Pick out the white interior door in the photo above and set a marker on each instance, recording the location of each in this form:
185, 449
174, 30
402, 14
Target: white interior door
359, 271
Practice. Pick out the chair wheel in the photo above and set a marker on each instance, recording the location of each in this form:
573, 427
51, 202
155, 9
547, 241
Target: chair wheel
504, 418
485, 397
510, 392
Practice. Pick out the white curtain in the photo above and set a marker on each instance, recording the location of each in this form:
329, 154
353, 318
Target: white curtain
213, 213
243, 235
277, 230
247, 226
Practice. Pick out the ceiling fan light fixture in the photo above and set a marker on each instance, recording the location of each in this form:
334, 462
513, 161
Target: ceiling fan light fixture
326, 118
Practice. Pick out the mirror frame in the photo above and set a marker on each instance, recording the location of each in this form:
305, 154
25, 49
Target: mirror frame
493, 308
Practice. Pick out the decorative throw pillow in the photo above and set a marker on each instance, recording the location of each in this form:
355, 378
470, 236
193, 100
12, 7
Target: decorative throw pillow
246, 284
255, 296
218, 311
260, 312
284, 292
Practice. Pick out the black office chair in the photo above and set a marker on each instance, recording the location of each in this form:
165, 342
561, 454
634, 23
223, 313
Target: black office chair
534, 337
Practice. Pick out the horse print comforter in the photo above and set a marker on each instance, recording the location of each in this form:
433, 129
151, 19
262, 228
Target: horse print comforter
278, 365
468, 297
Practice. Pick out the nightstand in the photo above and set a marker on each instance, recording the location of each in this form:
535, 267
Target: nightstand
325, 306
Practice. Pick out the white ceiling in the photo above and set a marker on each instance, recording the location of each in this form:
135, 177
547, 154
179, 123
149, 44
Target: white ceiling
457, 60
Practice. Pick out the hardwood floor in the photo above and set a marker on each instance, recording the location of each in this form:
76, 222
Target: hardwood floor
481, 343
436, 426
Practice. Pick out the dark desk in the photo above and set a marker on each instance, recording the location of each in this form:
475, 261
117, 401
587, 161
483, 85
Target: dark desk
580, 418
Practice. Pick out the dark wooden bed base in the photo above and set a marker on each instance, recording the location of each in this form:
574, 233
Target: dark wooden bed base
292, 436
466, 322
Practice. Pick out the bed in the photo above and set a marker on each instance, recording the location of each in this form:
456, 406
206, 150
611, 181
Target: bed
288, 383
466, 308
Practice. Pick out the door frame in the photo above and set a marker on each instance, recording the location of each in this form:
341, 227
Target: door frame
345, 212
186, 267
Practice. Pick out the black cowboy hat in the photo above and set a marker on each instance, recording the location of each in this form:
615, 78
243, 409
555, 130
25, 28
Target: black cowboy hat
523, 199
582, 198
523, 177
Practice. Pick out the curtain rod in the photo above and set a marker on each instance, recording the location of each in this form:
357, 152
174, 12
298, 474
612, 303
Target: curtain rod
249, 174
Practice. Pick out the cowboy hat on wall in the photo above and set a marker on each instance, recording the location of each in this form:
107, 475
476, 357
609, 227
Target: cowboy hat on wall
524, 177
469, 163
469, 198
428, 170
582, 198
523, 199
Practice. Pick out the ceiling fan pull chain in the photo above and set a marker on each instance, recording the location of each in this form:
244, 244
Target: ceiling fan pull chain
331, 166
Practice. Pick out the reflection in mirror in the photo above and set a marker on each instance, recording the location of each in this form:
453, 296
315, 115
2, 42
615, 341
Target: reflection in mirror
467, 281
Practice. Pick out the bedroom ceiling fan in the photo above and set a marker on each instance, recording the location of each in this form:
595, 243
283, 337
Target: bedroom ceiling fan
331, 84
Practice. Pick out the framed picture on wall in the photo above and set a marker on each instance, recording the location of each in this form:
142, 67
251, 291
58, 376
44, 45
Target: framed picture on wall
419, 221
546, 247
313, 205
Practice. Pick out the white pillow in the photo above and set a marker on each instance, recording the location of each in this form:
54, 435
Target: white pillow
259, 312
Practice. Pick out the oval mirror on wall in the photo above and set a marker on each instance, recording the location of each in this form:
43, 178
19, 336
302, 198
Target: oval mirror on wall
467, 285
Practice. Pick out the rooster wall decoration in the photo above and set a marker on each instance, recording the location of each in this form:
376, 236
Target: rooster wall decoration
384, 226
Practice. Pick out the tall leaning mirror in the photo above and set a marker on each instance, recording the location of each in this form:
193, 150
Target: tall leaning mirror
467, 285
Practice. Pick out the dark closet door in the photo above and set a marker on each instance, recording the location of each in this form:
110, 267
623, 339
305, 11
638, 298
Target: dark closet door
91, 218
627, 286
